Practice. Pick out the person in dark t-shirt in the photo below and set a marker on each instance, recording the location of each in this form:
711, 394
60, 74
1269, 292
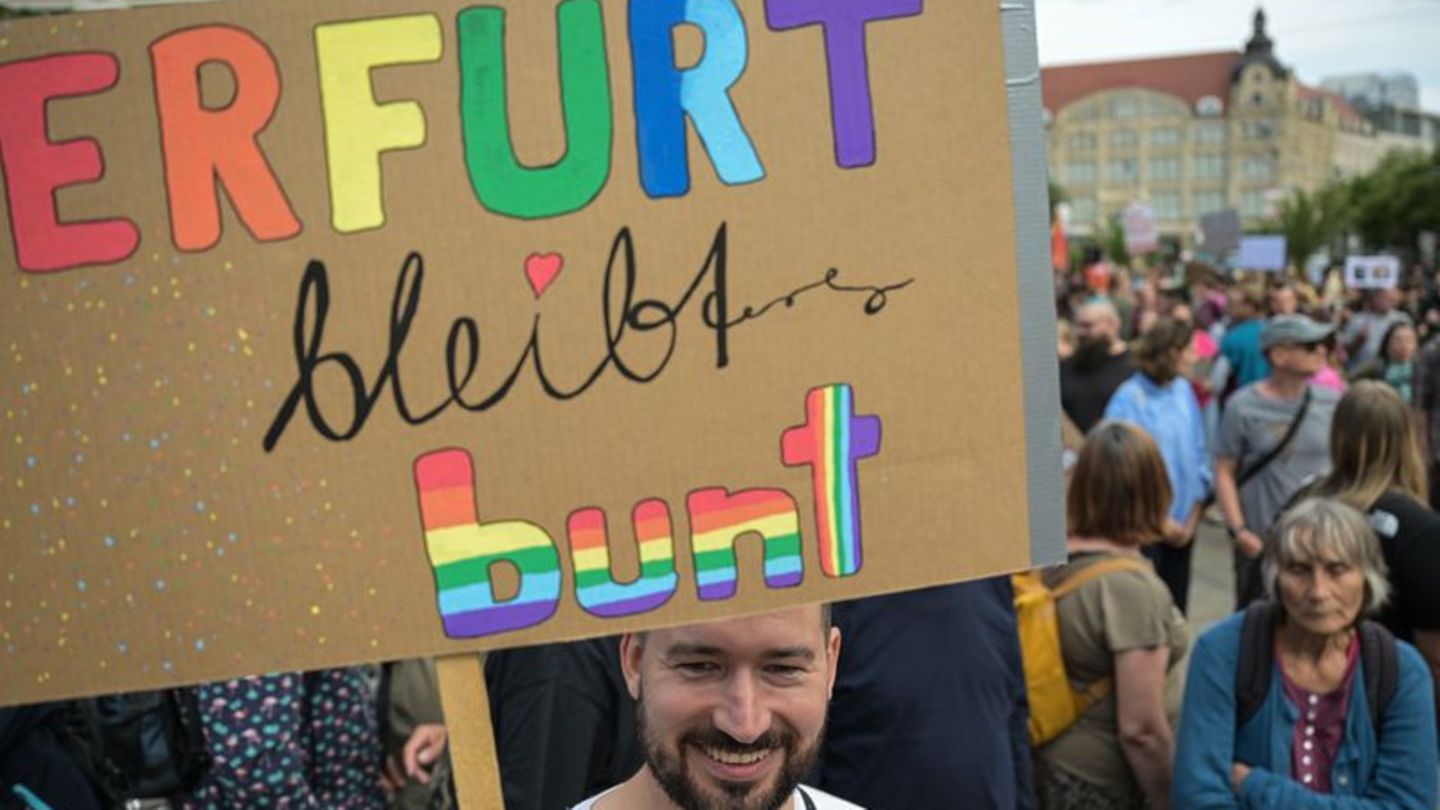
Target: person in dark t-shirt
564, 722
1410, 540
1377, 467
929, 707
1100, 363
35, 761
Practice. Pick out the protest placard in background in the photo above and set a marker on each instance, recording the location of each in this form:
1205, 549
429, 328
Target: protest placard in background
1142, 233
1372, 272
1265, 253
370, 330
1220, 232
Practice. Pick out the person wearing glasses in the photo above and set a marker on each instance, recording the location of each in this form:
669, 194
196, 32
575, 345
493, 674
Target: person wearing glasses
1274, 437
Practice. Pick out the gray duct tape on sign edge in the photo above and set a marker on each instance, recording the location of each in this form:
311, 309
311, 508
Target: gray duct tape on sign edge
1037, 309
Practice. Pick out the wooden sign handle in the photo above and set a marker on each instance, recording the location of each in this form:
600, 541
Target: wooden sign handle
472, 742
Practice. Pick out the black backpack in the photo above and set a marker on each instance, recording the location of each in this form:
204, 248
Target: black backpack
141, 745
1378, 655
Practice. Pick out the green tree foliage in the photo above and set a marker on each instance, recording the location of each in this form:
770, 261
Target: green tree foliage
1388, 208
1057, 196
1112, 241
1310, 221
1393, 204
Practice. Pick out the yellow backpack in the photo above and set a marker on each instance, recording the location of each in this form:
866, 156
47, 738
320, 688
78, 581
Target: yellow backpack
1055, 703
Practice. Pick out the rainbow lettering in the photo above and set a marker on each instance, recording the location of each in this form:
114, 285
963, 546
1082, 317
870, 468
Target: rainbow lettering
665, 95
500, 181
208, 150
852, 110
358, 130
595, 587
35, 167
831, 441
462, 550
718, 517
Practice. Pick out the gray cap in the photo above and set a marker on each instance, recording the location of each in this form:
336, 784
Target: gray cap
1290, 330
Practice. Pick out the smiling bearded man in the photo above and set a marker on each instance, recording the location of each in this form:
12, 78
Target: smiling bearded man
730, 714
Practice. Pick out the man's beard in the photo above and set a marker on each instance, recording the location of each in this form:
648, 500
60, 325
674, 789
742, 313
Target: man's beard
674, 776
1091, 353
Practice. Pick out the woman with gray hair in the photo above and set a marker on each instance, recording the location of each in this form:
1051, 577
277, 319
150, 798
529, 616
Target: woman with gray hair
1300, 701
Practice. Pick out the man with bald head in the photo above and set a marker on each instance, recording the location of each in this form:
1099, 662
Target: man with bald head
1100, 363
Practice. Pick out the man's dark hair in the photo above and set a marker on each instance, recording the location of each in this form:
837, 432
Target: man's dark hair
826, 622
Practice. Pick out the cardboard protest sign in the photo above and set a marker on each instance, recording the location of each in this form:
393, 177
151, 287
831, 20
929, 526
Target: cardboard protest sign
1264, 253
354, 331
1372, 272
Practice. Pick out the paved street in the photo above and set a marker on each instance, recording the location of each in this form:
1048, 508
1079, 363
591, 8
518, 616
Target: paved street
1212, 587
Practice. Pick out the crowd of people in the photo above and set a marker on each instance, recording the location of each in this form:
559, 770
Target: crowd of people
730, 714
1302, 422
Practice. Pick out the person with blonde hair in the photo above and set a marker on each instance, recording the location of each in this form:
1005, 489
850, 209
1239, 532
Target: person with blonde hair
1373, 449
1377, 467
1121, 630
1299, 702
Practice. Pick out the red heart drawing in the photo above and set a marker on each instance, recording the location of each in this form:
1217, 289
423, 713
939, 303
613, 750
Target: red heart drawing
541, 269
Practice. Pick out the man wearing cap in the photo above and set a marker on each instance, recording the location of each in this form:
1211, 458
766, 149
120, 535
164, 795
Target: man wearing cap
1253, 482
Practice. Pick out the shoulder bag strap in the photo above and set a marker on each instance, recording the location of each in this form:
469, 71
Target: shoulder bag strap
1381, 664
1095, 571
1097, 690
1257, 653
1264, 461
1092, 694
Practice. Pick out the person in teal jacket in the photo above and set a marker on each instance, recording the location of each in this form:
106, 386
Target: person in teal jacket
1312, 743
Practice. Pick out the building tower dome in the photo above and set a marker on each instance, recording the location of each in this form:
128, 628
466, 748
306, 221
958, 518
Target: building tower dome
1260, 50
1260, 43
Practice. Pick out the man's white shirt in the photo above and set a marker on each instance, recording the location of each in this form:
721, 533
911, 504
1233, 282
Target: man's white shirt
819, 798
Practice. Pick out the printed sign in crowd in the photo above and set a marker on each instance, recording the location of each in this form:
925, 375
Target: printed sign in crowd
341, 332
1372, 272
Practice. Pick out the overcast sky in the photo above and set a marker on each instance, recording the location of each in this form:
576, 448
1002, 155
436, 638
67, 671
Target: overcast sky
1316, 38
